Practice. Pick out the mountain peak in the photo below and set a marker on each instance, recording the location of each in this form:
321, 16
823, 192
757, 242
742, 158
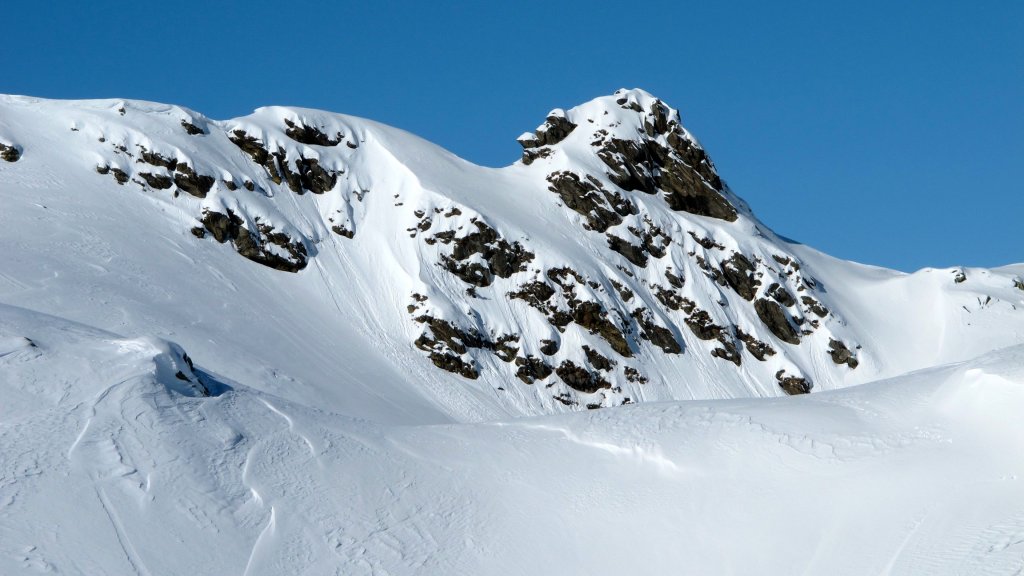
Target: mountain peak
642, 146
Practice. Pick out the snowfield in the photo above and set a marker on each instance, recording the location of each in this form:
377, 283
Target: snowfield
305, 343
110, 467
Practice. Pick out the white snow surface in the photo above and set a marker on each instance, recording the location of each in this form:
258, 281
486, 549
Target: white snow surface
170, 407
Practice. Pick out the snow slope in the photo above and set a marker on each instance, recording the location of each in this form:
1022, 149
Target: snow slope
110, 467
305, 343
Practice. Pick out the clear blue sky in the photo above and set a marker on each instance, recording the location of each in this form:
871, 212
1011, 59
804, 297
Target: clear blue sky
884, 132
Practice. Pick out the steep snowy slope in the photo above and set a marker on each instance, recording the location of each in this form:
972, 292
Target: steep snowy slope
344, 264
115, 462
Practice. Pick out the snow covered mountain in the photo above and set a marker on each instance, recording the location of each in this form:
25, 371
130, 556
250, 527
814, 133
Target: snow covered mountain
301, 342
610, 265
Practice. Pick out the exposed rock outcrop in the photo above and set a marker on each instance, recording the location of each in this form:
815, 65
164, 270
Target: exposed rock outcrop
555, 128
499, 257
678, 168
311, 135
841, 354
10, 152
588, 197
263, 245
581, 379
793, 385
777, 321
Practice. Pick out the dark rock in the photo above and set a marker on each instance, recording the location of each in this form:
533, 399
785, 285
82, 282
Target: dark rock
959, 276
191, 128
156, 159
739, 275
631, 252
707, 243
553, 131
531, 154
252, 244
710, 271
449, 334
727, 352
793, 385
757, 348
601, 208
633, 375
560, 319
446, 343
629, 105
307, 176
502, 258
681, 170
841, 354
343, 231
535, 294
157, 181
625, 293
702, 326
565, 399
597, 360
504, 349
259, 154
775, 318
675, 281
593, 317
532, 369
197, 185
10, 153
561, 276
310, 135
549, 347
658, 335
781, 295
581, 379
119, 175
668, 298
454, 364
814, 306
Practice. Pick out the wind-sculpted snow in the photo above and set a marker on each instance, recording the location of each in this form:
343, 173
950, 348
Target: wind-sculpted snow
110, 467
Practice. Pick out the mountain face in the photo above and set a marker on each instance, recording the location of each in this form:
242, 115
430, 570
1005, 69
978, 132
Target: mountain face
610, 265
305, 343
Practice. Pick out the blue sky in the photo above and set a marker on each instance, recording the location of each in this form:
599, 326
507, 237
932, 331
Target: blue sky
884, 132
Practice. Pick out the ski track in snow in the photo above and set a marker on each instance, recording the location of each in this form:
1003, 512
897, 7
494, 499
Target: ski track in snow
130, 555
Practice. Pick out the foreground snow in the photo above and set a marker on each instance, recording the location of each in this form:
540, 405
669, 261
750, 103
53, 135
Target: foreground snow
113, 467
